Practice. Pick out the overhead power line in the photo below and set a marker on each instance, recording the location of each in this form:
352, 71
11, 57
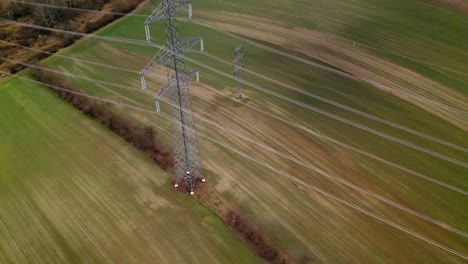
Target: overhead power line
311, 108
314, 64
338, 37
336, 117
320, 98
71, 75
67, 57
144, 43
367, 154
357, 150
340, 200
329, 195
303, 164
355, 43
347, 108
332, 177
113, 39
338, 72
58, 88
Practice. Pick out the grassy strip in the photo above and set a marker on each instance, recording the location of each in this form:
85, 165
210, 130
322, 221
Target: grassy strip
143, 138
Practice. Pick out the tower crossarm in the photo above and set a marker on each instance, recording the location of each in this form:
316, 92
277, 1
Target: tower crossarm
194, 72
166, 90
157, 14
163, 57
182, 3
188, 43
187, 73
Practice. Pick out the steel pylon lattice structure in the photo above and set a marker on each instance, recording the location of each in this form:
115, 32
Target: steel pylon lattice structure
238, 66
188, 167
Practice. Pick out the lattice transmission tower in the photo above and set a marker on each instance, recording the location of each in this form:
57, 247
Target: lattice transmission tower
238, 66
188, 167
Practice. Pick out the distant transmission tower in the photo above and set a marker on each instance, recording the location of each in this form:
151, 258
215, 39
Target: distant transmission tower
188, 167
238, 66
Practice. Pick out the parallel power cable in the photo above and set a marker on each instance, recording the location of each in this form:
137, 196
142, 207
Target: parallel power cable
223, 144
338, 72
367, 154
336, 117
355, 149
344, 107
340, 200
113, 39
327, 175
67, 57
71, 75
144, 43
320, 98
354, 43
314, 133
338, 37
257, 87
299, 162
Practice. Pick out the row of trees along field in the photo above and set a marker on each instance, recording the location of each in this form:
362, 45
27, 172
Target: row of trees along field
47, 15
67, 19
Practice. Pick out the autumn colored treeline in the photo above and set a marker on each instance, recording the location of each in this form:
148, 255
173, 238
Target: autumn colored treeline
71, 20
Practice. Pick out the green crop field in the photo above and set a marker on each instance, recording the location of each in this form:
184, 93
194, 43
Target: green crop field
73, 192
302, 223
